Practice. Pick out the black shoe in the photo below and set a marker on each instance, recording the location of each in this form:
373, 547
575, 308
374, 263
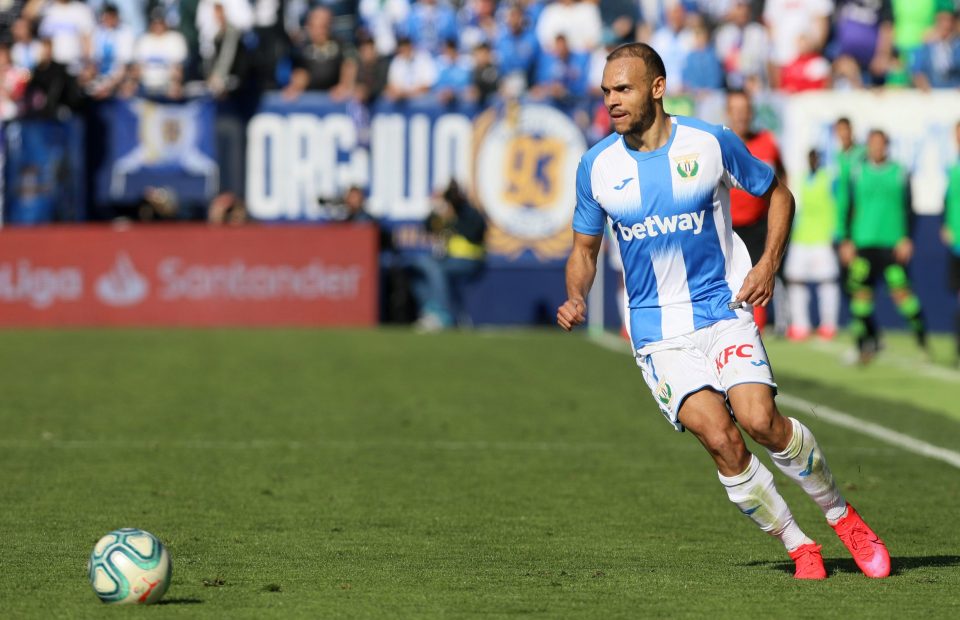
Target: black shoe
868, 350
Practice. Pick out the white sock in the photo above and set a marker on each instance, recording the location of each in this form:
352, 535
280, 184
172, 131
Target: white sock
799, 296
828, 298
781, 307
756, 496
804, 463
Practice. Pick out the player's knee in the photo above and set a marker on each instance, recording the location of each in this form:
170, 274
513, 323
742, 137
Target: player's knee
861, 306
762, 422
725, 444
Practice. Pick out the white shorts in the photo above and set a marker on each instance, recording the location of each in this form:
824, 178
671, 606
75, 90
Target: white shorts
811, 263
717, 357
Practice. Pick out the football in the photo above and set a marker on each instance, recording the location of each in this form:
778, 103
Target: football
129, 566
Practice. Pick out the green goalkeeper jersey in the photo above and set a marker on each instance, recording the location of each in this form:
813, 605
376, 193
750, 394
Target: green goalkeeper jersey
846, 160
880, 207
951, 214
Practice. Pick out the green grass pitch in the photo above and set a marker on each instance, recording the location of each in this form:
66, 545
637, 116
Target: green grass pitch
384, 474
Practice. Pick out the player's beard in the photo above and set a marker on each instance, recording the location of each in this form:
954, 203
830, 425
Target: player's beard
646, 115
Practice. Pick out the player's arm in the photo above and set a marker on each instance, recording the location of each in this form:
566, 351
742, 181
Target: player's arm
581, 269
757, 286
903, 251
847, 250
588, 220
743, 170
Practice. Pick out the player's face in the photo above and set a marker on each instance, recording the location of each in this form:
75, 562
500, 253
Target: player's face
877, 147
630, 96
740, 114
844, 134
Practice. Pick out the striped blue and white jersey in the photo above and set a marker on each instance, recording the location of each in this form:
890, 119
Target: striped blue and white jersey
669, 210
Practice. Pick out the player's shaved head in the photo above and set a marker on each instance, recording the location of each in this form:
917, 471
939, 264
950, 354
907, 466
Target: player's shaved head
651, 59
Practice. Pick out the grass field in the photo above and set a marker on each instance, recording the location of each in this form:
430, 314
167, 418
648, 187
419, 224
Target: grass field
355, 474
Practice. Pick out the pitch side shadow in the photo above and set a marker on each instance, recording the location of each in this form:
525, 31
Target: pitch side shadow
898, 564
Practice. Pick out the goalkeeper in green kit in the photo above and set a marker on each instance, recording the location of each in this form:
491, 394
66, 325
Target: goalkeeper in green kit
951, 234
875, 243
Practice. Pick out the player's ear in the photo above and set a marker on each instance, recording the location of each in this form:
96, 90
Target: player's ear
659, 87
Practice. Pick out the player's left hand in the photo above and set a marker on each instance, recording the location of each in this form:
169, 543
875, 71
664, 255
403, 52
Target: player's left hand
757, 289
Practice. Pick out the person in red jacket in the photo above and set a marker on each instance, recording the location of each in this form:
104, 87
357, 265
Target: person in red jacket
749, 213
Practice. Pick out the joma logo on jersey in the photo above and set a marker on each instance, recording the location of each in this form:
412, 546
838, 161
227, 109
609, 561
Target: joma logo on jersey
655, 225
743, 350
687, 165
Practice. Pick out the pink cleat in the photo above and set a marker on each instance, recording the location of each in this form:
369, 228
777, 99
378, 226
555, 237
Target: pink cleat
809, 562
865, 546
797, 333
826, 333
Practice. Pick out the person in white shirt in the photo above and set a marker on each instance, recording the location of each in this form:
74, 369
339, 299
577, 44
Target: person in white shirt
160, 55
69, 24
412, 72
25, 51
789, 21
382, 18
578, 22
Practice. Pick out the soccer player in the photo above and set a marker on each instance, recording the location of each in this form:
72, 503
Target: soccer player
951, 234
663, 182
850, 153
749, 213
811, 258
876, 243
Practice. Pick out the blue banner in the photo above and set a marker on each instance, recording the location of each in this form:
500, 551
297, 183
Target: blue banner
154, 144
518, 159
43, 172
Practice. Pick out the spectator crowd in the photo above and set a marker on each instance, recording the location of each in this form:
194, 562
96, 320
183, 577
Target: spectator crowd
57, 55
54, 54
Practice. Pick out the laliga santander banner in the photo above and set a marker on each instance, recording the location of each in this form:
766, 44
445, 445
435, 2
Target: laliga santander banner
188, 275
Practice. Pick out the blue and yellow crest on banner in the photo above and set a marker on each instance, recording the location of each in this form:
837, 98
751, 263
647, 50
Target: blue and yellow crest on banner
525, 163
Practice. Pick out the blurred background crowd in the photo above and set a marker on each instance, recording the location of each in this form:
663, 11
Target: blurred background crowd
59, 59
54, 54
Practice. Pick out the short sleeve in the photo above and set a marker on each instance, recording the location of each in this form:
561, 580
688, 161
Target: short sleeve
746, 171
588, 217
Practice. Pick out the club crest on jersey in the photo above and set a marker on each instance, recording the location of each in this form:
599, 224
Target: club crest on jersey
664, 392
687, 165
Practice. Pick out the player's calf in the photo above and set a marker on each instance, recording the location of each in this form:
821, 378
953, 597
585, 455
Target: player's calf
803, 461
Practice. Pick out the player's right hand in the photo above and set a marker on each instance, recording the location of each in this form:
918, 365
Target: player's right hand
573, 312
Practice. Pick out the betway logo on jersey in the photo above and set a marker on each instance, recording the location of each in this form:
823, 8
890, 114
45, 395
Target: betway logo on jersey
656, 225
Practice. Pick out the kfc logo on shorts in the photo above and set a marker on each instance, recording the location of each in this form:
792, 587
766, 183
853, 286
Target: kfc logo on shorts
734, 350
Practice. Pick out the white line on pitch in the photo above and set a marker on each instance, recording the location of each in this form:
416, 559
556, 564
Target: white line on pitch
864, 427
832, 416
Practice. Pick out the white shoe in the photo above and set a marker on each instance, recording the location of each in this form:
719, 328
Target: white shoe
428, 323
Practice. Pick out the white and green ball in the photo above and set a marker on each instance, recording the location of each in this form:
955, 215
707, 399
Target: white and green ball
129, 566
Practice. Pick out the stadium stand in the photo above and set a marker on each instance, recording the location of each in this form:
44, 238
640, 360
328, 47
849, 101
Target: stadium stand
191, 85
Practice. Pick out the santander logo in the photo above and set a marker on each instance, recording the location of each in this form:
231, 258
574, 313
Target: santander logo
122, 285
